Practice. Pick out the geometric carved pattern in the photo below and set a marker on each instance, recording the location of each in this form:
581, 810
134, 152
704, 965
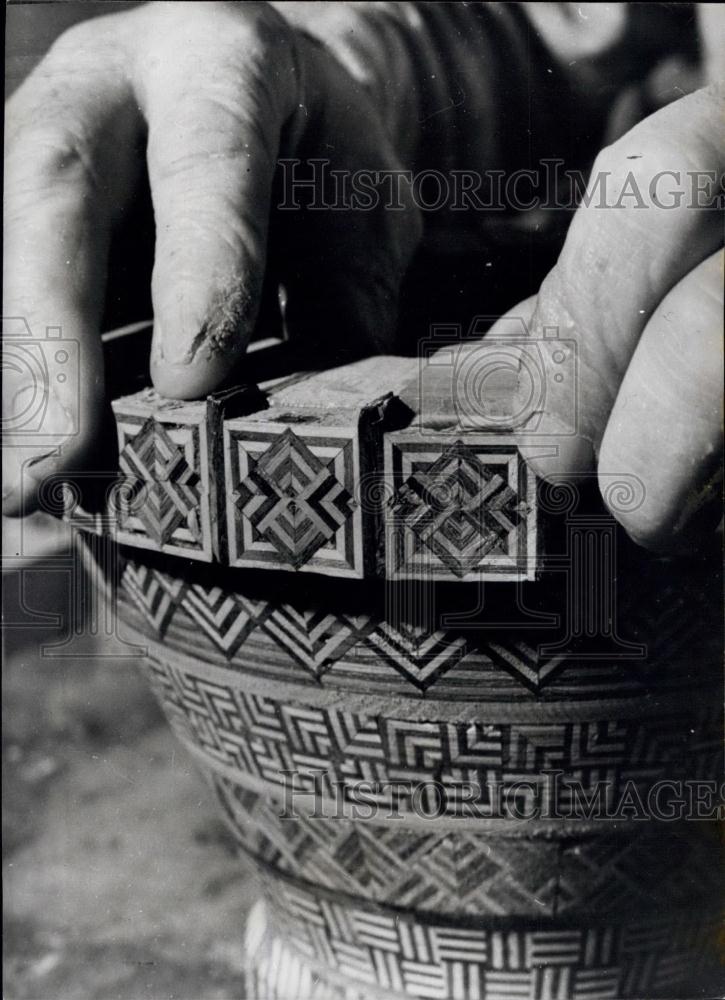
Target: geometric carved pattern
314, 639
226, 620
368, 652
459, 510
292, 478
421, 869
407, 955
155, 594
492, 769
317, 641
416, 653
158, 467
646, 867
290, 498
524, 664
164, 501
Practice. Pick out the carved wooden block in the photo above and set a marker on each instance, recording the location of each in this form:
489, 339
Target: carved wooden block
298, 473
350, 472
460, 508
169, 453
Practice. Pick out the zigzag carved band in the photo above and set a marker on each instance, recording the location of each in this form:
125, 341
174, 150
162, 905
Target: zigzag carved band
309, 639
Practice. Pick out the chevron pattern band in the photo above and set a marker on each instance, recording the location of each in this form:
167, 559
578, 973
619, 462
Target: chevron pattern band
368, 650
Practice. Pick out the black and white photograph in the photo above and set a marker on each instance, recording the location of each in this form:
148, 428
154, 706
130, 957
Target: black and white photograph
362, 549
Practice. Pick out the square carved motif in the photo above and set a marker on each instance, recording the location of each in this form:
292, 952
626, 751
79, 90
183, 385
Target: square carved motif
162, 501
458, 509
291, 497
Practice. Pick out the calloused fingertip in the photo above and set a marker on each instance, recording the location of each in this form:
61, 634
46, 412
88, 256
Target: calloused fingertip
190, 360
192, 381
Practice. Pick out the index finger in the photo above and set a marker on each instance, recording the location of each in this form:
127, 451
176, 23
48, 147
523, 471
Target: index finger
217, 87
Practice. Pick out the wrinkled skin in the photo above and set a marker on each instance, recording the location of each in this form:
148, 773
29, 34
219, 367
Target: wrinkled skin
203, 105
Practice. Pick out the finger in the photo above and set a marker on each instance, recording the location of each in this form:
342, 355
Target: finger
666, 424
642, 231
61, 195
348, 225
711, 36
216, 87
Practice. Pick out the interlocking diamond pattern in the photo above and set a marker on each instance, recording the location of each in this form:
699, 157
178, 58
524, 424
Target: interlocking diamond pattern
156, 465
460, 509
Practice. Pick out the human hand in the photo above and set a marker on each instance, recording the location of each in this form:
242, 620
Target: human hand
638, 289
203, 98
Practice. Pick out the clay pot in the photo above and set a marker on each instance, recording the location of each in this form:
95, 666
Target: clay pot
414, 798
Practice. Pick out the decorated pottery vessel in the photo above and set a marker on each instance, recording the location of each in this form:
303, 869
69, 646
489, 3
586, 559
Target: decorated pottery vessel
448, 712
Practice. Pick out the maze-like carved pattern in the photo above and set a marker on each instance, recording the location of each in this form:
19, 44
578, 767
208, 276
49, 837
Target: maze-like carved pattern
459, 510
418, 958
646, 867
487, 766
291, 499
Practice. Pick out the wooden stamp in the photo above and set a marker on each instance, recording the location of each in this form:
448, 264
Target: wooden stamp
298, 473
170, 496
330, 473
